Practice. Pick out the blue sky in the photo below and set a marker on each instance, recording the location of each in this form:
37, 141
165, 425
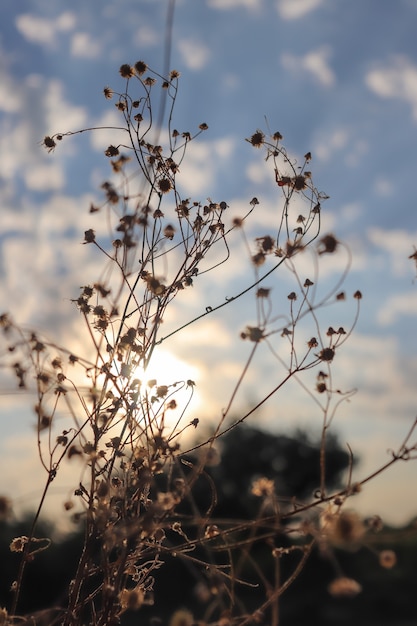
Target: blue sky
335, 77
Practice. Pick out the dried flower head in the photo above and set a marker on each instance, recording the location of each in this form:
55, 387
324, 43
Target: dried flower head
126, 71
182, 617
49, 143
164, 185
131, 599
18, 544
387, 559
345, 528
327, 244
141, 67
263, 487
257, 139
344, 587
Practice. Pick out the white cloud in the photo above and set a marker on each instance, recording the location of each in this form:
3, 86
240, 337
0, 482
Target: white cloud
204, 160
397, 79
82, 45
225, 5
398, 306
383, 187
45, 177
195, 54
44, 31
295, 9
397, 246
314, 63
332, 142
146, 36
61, 115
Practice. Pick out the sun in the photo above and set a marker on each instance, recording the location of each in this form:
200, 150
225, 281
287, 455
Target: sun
182, 378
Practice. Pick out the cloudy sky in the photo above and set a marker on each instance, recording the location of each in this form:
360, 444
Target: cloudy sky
335, 77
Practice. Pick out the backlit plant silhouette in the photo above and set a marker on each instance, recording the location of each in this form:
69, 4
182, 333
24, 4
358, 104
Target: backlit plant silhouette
130, 435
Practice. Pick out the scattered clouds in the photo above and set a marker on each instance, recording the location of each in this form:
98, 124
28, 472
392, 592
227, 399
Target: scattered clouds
396, 79
296, 9
44, 31
194, 53
315, 63
84, 46
340, 143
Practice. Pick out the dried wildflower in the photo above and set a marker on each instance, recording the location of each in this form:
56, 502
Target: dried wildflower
203, 126
299, 182
126, 71
257, 139
327, 244
121, 105
341, 296
292, 296
253, 333
357, 295
258, 259
18, 544
167, 500
149, 82
277, 136
164, 185
263, 487
375, 523
266, 243
307, 156
345, 528
131, 599
182, 617
89, 236
111, 151
4, 617
262, 292
387, 559
321, 387
108, 93
49, 143
308, 283
141, 67
327, 354
211, 531
344, 587
169, 231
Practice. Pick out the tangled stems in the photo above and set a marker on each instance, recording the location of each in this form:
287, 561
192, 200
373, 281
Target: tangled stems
138, 469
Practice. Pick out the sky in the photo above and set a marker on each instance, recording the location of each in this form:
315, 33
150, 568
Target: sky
334, 77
